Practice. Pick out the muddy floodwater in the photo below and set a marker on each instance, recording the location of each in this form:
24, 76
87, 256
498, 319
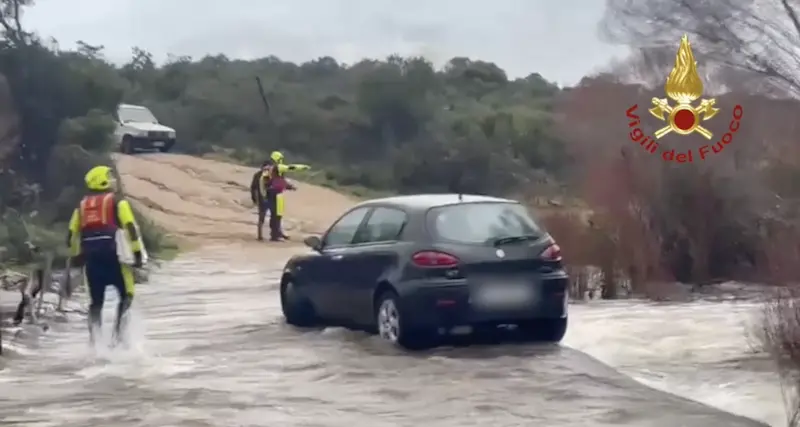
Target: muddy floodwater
209, 348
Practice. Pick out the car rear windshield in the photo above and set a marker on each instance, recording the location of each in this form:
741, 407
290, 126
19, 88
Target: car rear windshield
481, 223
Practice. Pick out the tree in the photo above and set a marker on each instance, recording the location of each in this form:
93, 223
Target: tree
11, 22
55, 120
758, 37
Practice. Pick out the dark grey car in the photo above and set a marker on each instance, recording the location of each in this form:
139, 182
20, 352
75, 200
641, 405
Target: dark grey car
417, 268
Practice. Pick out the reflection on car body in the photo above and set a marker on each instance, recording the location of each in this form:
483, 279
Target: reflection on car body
414, 268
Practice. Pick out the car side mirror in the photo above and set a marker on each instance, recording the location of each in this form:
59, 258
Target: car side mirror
313, 242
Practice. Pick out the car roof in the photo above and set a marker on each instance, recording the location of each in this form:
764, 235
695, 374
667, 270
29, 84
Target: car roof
427, 201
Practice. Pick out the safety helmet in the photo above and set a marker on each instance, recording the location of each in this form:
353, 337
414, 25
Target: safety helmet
99, 178
276, 157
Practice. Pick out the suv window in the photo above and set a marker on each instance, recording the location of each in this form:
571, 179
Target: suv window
343, 230
481, 222
135, 114
384, 225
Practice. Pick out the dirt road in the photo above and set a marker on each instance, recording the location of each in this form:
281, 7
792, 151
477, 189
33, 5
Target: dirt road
203, 202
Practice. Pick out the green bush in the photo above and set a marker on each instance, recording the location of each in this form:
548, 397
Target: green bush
154, 237
19, 230
92, 132
84, 142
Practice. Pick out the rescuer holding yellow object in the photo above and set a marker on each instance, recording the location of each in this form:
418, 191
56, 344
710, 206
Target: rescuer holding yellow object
104, 238
266, 191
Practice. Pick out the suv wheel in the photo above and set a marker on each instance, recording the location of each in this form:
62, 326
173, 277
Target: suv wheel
544, 330
392, 326
126, 147
297, 310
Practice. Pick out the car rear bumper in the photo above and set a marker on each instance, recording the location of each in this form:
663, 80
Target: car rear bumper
452, 303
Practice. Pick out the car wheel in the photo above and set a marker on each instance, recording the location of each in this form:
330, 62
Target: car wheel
297, 310
544, 330
392, 326
126, 147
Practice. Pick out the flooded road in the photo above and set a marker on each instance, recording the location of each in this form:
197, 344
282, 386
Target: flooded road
210, 349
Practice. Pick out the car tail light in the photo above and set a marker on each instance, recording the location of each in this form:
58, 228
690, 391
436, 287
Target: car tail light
433, 259
552, 253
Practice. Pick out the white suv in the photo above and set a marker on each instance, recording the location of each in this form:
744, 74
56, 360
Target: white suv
138, 128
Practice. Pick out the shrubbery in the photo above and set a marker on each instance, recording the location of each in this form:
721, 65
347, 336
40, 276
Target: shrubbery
733, 216
41, 180
84, 143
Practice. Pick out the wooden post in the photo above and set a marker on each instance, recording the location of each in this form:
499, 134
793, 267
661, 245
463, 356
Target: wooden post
46, 280
65, 290
27, 292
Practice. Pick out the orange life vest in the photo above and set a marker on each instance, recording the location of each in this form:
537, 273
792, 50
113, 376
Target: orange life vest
97, 213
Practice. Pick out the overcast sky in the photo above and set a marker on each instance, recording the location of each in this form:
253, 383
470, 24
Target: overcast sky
557, 39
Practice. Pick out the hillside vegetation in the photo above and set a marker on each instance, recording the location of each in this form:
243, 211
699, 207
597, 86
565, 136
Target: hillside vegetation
54, 126
397, 125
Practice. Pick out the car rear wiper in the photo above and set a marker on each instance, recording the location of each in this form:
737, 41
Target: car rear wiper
514, 239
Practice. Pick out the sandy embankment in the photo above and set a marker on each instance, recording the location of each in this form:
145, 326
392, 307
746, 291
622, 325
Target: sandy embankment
206, 203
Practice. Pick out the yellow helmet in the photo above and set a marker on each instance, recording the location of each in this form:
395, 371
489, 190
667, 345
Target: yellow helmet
99, 178
276, 157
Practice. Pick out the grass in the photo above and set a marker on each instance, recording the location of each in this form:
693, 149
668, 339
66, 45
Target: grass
320, 177
167, 253
49, 237
314, 176
323, 178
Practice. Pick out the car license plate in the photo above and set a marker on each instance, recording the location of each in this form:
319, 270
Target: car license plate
504, 296
158, 144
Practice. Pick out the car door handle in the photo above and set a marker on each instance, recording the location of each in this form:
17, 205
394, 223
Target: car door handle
337, 257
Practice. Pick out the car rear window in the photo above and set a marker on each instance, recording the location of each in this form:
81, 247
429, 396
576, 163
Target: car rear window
481, 222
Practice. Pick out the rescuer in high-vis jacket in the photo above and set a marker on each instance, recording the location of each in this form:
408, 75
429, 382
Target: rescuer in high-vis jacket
266, 191
93, 230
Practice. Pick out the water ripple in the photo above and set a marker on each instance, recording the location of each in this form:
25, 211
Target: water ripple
210, 349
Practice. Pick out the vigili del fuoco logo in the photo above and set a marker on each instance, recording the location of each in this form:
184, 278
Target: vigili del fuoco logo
684, 87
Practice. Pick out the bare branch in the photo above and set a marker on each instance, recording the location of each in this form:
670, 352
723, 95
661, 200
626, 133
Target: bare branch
16, 16
790, 12
11, 21
761, 36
